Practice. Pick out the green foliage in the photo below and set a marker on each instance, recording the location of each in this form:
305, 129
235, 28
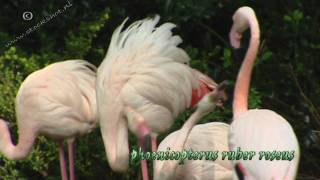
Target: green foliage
294, 17
79, 42
14, 66
254, 99
227, 58
285, 77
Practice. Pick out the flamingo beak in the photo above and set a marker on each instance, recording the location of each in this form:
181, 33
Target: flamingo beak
220, 104
221, 94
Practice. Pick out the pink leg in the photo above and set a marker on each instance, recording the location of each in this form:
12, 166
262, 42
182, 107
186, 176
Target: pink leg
71, 154
144, 131
63, 167
144, 166
144, 169
154, 144
154, 147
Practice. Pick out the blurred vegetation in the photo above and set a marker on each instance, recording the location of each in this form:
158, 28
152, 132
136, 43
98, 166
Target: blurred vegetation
286, 76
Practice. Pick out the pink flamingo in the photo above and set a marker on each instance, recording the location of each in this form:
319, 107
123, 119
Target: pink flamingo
58, 101
258, 129
205, 137
143, 83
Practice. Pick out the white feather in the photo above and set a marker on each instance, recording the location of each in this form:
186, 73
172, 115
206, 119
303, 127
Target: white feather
143, 69
60, 99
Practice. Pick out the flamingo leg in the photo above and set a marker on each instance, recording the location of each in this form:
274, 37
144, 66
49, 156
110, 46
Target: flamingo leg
144, 166
154, 144
154, 147
144, 135
71, 154
63, 168
145, 143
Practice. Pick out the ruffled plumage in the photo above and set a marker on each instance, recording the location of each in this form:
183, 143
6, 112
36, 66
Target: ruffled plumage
145, 70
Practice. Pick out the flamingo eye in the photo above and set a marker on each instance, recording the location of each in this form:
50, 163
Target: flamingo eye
239, 172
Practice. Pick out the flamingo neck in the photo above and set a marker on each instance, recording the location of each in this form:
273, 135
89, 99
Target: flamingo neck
240, 102
197, 94
22, 149
179, 144
115, 139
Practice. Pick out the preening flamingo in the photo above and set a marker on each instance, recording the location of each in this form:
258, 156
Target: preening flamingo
257, 129
58, 101
205, 137
143, 83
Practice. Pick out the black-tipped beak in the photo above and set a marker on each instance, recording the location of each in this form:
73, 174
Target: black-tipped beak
223, 85
147, 144
220, 104
222, 97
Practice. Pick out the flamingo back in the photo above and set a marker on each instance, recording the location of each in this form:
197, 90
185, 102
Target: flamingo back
265, 132
203, 137
59, 100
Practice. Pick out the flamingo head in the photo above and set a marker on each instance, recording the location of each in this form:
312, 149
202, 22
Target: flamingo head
218, 95
207, 86
240, 24
215, 98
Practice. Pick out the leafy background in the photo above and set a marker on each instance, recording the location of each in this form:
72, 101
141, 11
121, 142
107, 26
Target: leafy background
285, 79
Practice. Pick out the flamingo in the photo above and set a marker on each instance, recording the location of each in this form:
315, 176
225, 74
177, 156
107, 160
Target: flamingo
143, 83
58, 101
257, 129
205, 137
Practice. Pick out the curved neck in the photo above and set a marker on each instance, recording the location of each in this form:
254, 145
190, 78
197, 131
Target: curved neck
240, 102
115, 138
27, 137
185, 130
166, 169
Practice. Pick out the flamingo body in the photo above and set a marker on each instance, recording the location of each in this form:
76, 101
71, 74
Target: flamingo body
263, 130
254, 129
143, 83
204, 137
178, 141
58, 101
